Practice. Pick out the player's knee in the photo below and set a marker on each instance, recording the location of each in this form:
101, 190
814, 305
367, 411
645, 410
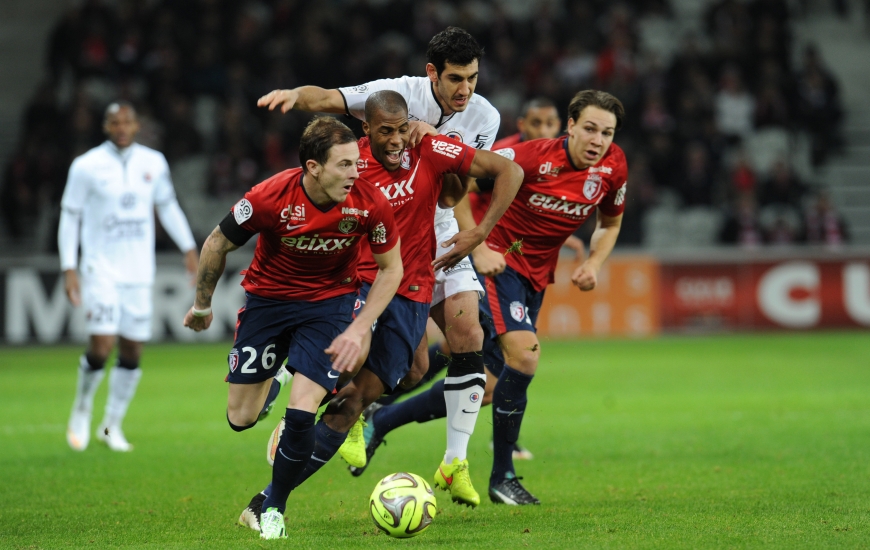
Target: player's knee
240, 425
127, 363
524, 361
95, 362
465, 337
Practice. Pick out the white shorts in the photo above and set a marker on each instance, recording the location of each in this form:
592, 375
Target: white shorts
112, 308
459, 278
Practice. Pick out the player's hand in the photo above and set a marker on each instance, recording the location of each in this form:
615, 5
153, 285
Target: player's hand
585, 277
463, 243
344, 350
418, 129
285, 99
191, 264
487, 261
71, 286
197, 323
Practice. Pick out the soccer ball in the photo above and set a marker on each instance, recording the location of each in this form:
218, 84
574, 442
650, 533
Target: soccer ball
402, 505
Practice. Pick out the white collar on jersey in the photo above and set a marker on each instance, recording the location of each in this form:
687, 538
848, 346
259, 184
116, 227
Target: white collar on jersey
124, 152
441, 119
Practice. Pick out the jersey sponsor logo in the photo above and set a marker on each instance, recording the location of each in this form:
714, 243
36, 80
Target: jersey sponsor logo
379, 234
547, 169
398, 189
355, 212
361, 89
592, 186
406, 160
508, 153
602, 169
450, 150
242, 211
305, 243
518, 311
233, 359
620, 195
128, 200
117, 228
480, 141
295, 212
348, 224
560, 205
362, 164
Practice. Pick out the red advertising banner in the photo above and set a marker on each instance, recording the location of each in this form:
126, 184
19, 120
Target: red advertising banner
790, 293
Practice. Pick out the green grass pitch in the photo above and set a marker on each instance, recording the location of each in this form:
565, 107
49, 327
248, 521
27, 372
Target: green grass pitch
741, 441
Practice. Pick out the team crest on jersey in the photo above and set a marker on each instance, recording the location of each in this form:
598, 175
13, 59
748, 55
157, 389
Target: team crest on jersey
347, 224
406, 160
128, 200
518, 311
233, 359
455, 134
508, 153
592, 186
147, 177
242, 211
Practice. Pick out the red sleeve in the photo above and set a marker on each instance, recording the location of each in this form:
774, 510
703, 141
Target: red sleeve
447, 155
382, 231
256, 211
613, 203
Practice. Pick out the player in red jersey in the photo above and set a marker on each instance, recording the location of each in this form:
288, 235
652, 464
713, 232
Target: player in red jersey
566, 180
411, 179
301, 288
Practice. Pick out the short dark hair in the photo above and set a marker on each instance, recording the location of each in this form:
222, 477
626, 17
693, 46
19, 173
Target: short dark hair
318, 138
387, 101
452, 45
596, 98
536, 103
116, 106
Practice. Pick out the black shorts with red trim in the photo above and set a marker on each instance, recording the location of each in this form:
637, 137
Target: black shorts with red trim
511, 303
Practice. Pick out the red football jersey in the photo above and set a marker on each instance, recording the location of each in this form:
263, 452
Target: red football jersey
480, 200
305, 252
413, 191
554, 200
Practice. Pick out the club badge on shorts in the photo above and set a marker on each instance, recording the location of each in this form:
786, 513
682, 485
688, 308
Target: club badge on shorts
233, 359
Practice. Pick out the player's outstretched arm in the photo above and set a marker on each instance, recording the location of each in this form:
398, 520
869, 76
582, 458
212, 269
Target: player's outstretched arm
601, 245
312, 99
345, 349
508, 177
212, 261
487, 261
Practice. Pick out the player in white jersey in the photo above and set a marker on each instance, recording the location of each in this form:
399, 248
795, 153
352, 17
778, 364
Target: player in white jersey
108, 205
445, 100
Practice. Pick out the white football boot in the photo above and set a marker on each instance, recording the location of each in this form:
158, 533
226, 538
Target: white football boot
114, 438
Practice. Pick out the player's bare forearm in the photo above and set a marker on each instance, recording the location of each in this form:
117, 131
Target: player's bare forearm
312, 99
508, 177
212, 261
345, 349
603, 239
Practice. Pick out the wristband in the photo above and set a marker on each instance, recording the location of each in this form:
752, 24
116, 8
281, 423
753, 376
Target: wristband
200, 312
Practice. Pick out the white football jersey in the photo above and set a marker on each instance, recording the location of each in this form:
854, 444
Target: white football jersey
476, 126
115, 193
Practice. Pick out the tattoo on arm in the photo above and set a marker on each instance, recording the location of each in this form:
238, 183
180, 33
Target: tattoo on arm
212, 262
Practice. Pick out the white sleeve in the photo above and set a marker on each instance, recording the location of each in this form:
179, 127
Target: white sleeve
355, 96
175, 223
487, 137
169, 211
73, 202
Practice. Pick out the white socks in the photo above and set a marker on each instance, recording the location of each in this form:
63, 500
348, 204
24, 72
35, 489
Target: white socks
462, 396
86, 387
122, 388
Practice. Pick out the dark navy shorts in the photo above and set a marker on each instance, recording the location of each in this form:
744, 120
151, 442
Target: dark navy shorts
268, 331
511, 303
395, 337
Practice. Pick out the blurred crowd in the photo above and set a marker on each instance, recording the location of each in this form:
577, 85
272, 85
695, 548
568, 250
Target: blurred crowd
195, 68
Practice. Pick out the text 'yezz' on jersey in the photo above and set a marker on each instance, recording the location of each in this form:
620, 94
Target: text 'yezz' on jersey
412, 191
305, 252
553, 201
